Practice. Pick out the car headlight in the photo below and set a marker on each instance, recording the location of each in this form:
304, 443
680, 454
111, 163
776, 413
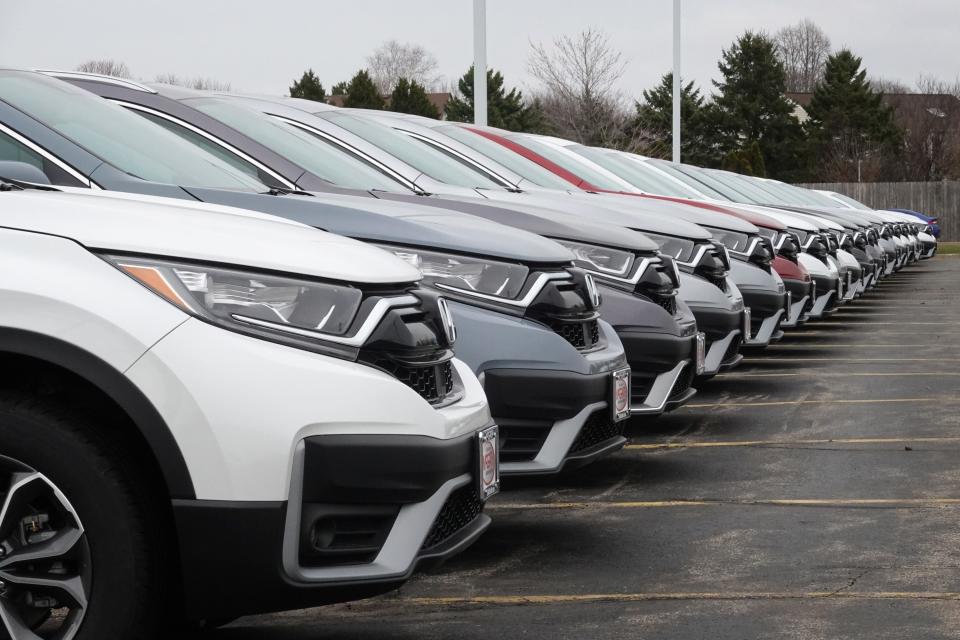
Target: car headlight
606, 260
466, 274
248, 301
679, 249
732, 240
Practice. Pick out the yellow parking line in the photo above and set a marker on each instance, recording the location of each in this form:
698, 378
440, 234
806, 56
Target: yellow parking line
894, 503
780, 443
792, 402
791, 359
864, 345
902, 323
827, 374
546, 599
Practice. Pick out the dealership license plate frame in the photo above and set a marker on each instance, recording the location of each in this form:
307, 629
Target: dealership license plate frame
488, 450
620, 394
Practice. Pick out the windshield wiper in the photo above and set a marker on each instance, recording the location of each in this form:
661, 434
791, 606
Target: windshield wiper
10, 184
283, 191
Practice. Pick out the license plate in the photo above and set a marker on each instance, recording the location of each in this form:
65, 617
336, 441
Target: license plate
621, 395
488, 441
701, 352
747, 329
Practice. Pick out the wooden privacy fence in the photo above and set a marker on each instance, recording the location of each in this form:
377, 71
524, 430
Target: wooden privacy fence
939, 199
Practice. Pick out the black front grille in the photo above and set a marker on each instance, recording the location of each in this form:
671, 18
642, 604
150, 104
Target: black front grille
433, 382
598, 428
669, 303
640, 386
684, 382
720, 283
582, 335
461, 508
521, 441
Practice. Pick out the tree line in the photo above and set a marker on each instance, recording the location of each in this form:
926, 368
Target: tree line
847, 131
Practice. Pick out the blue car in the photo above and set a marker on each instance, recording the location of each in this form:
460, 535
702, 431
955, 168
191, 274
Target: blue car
934, 227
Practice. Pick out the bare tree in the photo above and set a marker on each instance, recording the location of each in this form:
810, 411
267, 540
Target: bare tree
105, 67
851, 157
803, 49
889, 85
578, 94
930, 120
394, 60
201, 83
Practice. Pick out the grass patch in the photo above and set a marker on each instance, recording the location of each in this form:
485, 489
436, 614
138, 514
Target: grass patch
948, 248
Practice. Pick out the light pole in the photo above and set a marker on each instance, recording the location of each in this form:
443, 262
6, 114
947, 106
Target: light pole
480, 62
676, 81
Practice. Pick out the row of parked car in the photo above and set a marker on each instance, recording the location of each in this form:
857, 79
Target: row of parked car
263, 353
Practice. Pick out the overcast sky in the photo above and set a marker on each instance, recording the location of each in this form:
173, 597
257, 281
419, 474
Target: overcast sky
261, 46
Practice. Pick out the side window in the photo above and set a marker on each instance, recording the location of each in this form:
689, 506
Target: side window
15, 151
212, 147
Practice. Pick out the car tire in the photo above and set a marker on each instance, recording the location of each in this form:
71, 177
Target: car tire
68, 483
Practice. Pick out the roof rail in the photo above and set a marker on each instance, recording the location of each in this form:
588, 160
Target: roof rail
81, 75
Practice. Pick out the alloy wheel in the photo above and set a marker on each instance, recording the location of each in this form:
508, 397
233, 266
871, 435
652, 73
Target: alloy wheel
45, 563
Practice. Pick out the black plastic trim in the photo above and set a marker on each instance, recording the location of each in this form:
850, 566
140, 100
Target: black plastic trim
382, 469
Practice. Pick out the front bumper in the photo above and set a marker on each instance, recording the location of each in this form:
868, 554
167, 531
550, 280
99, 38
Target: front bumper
242, 410
724, 337
799, 295
363, 513
543, 391
661, 349
767, 308
826, 300
557, 419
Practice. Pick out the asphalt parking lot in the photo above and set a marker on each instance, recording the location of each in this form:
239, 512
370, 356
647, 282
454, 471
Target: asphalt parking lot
812, 493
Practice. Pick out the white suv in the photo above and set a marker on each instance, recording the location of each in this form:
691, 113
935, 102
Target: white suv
217, 413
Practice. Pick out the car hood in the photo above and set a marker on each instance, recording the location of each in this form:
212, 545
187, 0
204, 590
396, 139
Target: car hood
122, 222
677, 210
543, 221
608, 211
398, 223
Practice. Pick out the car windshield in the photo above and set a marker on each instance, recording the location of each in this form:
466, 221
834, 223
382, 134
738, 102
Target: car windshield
523, 167
643, 178
674, 170
422, 157
570, 162
856, 204
120, 138
758, 191
319, 158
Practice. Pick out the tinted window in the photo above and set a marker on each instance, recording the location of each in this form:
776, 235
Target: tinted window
12, 150
571, 164
332, 163
523, 167
421, 157
117, 136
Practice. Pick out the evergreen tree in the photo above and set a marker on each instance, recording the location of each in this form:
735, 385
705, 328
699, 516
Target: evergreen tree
410, 97
339, 89
504, 110
308, 87
362, 93
751, 106
655, 118
848, 120
747, 161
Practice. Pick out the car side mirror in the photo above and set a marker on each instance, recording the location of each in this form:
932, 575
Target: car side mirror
22, 172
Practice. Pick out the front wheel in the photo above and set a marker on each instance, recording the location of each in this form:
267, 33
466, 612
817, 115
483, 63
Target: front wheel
75, 558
